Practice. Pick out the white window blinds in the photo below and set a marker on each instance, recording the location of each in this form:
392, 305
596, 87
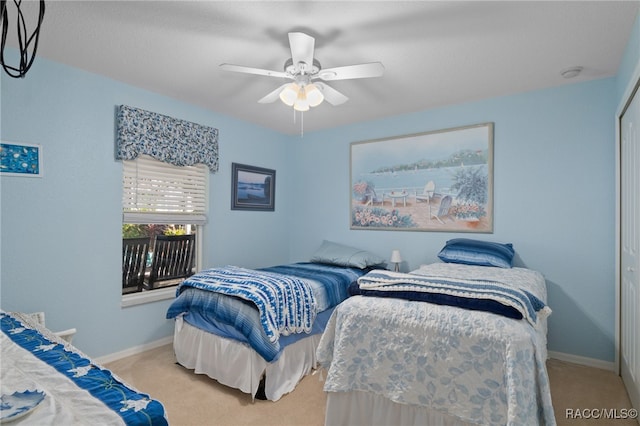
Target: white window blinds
158, 192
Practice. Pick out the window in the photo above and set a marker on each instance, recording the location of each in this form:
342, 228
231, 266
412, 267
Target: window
164, 208
168, 192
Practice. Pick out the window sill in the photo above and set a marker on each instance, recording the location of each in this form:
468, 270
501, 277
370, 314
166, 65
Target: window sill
148, 297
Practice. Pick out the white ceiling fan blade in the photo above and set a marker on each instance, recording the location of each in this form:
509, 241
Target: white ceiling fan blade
331, 95
302, 47
371, 69
273, 96
258, 71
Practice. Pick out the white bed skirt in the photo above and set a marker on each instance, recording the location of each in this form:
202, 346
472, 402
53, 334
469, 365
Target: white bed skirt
368, 409
237, 365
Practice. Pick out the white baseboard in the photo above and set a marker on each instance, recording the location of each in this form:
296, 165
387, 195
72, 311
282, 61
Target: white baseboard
134, 350
581, 360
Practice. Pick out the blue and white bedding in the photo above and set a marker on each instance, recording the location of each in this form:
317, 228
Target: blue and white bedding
226, 302
76, 390
286, 304
472, 365
470, 293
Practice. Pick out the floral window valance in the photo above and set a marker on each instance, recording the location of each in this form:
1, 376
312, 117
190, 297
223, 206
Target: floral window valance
168, 139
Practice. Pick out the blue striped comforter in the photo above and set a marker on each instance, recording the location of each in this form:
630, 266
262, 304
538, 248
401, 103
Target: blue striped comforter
237, 303
286, 304
461, 292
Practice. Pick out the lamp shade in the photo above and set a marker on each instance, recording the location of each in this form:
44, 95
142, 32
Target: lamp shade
301, 103
314, 95
289, 94
395, 256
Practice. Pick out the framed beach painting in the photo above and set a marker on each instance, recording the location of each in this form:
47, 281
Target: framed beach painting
253, 188
20, 159
434, 181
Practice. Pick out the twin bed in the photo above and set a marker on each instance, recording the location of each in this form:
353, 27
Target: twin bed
475, 353
390, 360
46, 380
258, 330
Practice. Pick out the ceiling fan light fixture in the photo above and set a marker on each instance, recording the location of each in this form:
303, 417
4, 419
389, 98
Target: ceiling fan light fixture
301, 69
289, 94
314, 95
301, 103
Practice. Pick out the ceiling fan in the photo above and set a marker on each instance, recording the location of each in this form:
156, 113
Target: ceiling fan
304, 70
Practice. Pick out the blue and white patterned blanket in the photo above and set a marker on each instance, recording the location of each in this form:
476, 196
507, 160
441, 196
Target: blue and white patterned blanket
462, 291
286, 304
475, 366
77, 390
237, 319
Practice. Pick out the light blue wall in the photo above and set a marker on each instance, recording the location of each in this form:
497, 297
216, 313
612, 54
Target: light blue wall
554, 195
61, 234
554, 199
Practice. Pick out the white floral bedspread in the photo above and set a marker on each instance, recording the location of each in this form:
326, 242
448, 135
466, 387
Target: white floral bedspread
77, 391
477, 366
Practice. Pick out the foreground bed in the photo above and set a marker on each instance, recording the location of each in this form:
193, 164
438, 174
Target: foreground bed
45, 380
406, 362
223, 334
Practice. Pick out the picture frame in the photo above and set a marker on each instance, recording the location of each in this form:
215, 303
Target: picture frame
252, 188
20, 159
438, 181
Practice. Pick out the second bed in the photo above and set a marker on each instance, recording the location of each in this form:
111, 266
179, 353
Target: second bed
262, 344
396, 361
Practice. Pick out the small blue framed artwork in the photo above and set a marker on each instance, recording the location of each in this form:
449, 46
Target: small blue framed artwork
253, 188
20, 159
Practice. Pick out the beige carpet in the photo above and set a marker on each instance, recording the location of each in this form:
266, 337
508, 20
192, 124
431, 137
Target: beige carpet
196, 400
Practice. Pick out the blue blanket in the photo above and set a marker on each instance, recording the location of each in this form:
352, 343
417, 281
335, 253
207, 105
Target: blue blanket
483, 295
286, 304
239, 319
134, 408
334, 279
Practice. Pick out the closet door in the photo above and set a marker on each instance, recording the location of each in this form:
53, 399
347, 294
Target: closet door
630, 247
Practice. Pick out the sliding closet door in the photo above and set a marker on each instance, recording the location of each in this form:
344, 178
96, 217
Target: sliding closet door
630, 247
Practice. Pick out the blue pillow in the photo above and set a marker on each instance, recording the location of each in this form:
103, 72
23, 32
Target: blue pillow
475, 252
341, 255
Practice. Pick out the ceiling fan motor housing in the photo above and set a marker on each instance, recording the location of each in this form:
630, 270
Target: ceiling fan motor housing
301, 67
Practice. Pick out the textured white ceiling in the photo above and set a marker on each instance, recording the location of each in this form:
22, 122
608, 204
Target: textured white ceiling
435, 53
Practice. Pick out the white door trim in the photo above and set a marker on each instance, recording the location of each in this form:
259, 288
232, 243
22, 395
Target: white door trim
626, 98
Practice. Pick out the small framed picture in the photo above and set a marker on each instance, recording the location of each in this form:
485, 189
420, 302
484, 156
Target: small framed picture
20, 159
253, 188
